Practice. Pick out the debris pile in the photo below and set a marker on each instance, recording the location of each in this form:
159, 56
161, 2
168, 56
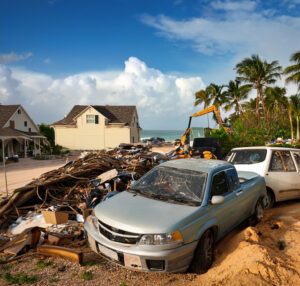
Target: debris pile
52, 208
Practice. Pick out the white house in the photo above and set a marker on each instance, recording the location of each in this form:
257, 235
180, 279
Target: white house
18, 132
94, 127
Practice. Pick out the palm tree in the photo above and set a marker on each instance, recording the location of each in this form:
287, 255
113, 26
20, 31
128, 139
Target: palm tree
293, 71
249, 105
275, 100
213, 95
235, 94
259, 73
295, 107
290, 112
202, 96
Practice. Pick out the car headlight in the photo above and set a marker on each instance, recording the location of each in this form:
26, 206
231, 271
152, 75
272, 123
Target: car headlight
161, 239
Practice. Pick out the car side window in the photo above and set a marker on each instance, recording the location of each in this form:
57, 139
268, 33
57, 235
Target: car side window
219, 184
282, 161
233, 180
297, 158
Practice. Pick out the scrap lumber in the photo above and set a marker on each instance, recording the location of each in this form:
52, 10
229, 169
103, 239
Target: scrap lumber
74, 178
62, 252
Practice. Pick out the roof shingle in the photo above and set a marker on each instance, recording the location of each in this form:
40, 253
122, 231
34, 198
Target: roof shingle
6, 112
114, 113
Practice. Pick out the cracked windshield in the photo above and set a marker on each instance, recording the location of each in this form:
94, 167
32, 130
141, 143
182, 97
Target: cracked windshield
171, 184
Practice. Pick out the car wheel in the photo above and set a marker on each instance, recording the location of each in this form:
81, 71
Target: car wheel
270, 199
258, 213
204, 253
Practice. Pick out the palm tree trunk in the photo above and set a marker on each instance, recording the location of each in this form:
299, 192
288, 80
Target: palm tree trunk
297, 136
257, 102
291, 125
240, 108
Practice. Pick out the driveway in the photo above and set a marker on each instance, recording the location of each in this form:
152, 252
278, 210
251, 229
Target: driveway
23, 172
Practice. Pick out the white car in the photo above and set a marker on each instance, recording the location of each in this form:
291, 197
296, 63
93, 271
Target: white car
279, 166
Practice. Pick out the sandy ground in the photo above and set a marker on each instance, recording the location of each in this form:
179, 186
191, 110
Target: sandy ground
247, 256
21, 173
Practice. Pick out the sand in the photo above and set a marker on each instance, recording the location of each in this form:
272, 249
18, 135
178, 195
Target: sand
252, 256
247, 256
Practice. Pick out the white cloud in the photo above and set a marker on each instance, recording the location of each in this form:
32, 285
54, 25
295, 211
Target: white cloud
13, 57
164, 101
47, 61
237, 34
233, 5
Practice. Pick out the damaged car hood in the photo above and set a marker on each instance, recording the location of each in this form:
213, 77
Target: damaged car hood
135, 213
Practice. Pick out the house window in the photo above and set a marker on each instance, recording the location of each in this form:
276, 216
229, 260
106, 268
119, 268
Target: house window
92, 119
25, 123
29, 129
19, 111
12, 124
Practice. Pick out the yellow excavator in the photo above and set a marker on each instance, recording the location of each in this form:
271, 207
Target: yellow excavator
184, 150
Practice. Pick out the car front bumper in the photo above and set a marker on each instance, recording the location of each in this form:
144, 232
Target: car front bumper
138, 257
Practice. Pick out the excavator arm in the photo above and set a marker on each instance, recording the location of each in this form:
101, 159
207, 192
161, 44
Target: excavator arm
186, 136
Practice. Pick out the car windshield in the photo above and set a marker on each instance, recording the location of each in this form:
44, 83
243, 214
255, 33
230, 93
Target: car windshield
172, 185
247, 156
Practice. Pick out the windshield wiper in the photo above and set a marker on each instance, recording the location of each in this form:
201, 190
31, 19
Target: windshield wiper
184, 199
135, 191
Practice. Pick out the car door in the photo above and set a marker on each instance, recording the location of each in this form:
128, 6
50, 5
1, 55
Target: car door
282, 175
296, 157
244, 198
226, 212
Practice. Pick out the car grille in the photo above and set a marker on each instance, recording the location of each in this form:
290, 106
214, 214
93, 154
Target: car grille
118, 235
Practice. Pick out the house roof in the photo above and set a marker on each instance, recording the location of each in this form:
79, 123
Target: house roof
114, 113
6, 112
6, 133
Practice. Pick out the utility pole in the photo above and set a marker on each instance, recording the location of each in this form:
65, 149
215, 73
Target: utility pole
3, 158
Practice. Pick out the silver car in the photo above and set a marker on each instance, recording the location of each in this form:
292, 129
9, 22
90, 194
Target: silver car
171, 218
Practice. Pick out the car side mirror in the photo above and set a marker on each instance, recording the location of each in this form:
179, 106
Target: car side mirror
217, 200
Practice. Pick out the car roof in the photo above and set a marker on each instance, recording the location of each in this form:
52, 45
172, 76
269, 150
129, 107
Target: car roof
266, 148
200, 165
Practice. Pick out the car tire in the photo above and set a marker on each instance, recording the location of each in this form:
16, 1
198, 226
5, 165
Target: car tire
270, 199
204, 253
258, 213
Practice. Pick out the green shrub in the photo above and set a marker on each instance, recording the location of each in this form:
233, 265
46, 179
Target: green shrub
41, 264
87, 275
20, 278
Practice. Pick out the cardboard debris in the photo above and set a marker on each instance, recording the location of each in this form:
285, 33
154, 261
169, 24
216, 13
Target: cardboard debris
55, 217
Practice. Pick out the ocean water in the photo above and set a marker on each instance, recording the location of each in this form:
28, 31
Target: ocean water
171, 135
168, 135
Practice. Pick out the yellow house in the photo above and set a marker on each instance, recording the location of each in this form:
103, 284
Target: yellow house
94, 127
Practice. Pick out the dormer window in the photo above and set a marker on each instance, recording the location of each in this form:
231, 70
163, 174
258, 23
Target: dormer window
92, 119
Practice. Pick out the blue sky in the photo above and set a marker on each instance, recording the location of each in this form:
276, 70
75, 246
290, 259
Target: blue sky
154, 54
